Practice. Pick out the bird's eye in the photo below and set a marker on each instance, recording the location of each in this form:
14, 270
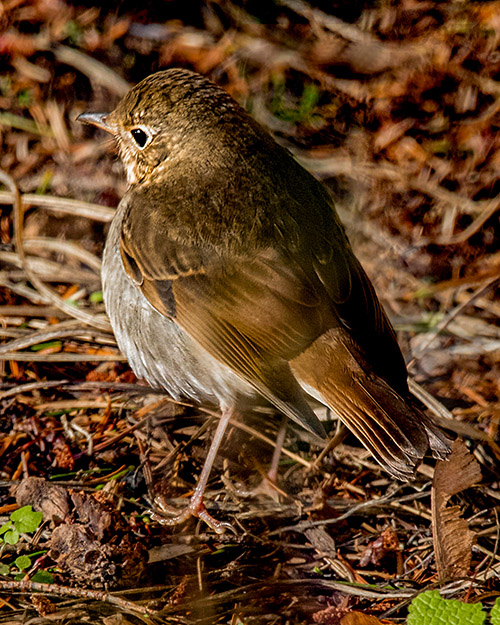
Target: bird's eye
140, 137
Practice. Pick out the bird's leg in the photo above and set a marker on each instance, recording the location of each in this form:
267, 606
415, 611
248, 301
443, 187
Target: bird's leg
340, 435
272, 473
269, 484
196, 506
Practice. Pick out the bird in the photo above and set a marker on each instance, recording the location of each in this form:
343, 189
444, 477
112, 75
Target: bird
228, 278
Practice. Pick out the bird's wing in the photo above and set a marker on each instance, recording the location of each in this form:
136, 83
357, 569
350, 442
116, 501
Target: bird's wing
360, 312
254, 313
316, 238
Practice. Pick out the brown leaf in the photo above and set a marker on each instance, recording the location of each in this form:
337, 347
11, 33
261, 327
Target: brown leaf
328, 616
390, 132
43, 605
12, 43
78, 552
45, 497
451, 533
378, 549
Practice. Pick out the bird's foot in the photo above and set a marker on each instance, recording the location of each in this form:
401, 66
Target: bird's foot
195, 508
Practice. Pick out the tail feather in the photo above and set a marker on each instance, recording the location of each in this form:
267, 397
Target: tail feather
390, 426
389, 432
439, 443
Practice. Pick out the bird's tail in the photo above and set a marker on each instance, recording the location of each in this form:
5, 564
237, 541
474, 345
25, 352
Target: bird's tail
390, 426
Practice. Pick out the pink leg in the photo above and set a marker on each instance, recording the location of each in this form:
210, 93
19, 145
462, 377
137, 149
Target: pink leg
269, 484
272, 474
196, 506
340, 435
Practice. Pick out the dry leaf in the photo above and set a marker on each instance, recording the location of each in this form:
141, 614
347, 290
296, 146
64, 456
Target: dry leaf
451, 534
379, 548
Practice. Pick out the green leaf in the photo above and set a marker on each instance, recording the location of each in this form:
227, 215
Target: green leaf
35, 554
24, 98
429, 609
310, 97
74, 32
26, 519
96, 297
22, 562
4, 569
47, 345
495, 613
21, 123
43, 577
45, 182
119, 475
5, 527
285, 107
11, 537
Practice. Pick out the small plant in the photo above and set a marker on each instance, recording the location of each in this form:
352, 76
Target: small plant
22, 521
302, 112
74, 32
429, 608
24, 98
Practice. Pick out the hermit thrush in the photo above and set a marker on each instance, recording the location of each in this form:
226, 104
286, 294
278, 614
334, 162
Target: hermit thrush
227, 275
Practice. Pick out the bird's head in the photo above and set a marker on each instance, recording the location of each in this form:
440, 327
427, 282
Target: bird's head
167, 117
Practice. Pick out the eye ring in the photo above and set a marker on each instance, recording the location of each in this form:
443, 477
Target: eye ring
141, 137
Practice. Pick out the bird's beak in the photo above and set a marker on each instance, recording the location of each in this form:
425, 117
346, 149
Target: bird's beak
96, 119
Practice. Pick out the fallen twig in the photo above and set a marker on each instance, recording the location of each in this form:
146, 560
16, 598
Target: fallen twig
93, 320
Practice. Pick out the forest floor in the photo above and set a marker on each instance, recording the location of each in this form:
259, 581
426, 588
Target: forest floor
396, 106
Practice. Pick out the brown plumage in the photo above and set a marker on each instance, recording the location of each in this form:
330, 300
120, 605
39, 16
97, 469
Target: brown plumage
227, 273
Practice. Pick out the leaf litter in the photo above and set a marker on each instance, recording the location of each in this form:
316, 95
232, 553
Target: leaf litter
395, 107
